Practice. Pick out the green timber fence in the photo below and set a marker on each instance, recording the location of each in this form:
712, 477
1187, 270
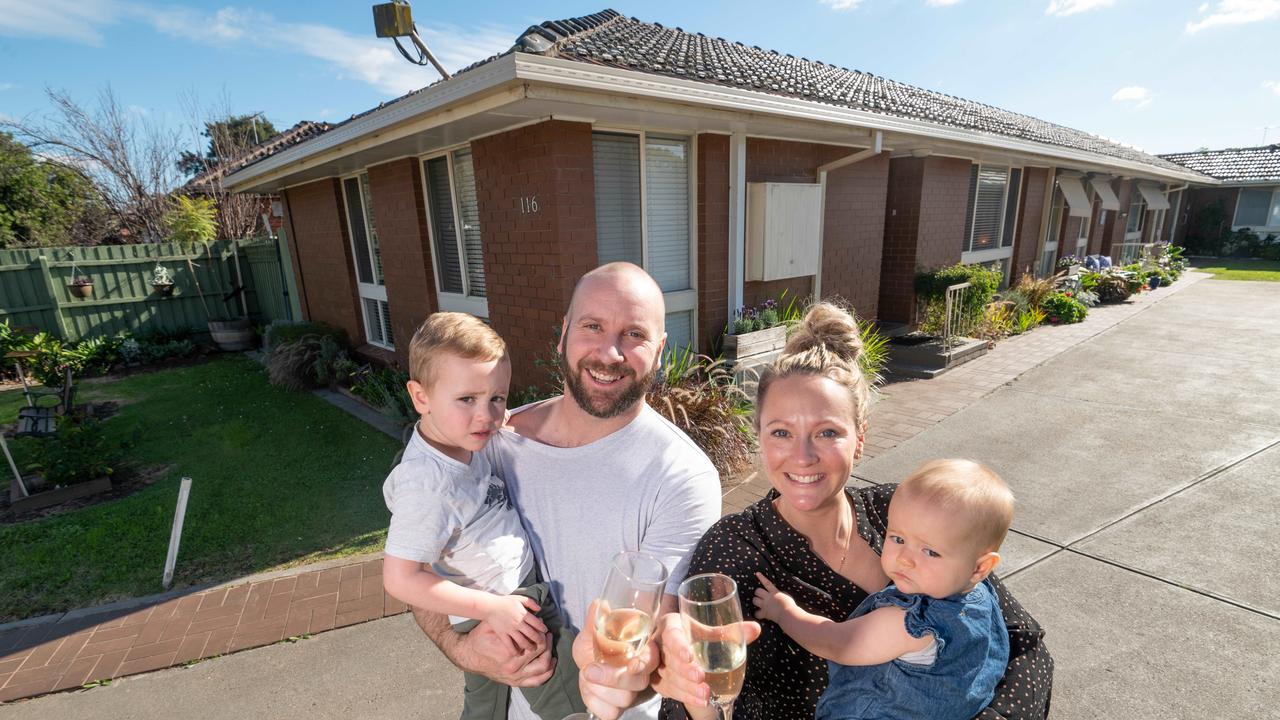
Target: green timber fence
237, 277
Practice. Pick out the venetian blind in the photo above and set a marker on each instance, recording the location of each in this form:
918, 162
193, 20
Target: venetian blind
464, 177
667, 211
375, 248
988, 192
616, 161
443, 228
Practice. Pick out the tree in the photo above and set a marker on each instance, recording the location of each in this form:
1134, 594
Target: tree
130, 161
45, 204
226, 136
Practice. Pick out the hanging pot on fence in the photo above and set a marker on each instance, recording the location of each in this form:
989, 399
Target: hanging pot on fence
232, 334
81, 290
165, 289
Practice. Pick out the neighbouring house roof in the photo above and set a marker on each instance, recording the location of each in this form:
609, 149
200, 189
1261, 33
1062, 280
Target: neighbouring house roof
299, 133
1251, 164
609, 39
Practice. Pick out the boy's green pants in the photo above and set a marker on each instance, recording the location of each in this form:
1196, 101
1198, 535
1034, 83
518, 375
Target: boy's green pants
558, 697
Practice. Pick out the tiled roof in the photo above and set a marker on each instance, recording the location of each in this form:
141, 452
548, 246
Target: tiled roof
299, 133
608, 38
1251, 164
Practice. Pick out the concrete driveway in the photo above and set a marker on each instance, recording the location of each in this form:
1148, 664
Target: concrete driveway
1146, 463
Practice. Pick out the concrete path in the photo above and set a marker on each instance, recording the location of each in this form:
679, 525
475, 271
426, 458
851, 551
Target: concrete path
1142, 445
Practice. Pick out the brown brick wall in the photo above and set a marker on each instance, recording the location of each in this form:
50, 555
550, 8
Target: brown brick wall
713, 237
323, 255
400, 219
532, 260
924, 226
853, 225
1026, 242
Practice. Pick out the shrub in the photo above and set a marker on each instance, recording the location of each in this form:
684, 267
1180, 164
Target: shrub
384, 388
698, 395
1062, 308
931, 288
1113, 288
1036, 289
1087, 298
997, 321
286, 332
1027, 320
310, 361
875, 352
80, 452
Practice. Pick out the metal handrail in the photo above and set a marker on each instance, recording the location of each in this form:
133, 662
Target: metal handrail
952, 325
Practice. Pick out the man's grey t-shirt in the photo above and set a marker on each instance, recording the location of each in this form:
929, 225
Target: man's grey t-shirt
645, 487
457, 518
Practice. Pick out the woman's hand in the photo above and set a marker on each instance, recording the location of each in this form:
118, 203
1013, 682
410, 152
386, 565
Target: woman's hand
608, 690
678, 677
771, 603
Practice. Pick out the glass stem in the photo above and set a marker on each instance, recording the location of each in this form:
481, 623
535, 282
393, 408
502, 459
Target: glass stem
724, 710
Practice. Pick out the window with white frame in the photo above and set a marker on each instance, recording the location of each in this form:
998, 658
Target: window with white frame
992, 214
1137, 215
453, 216
367, 257
1258, 208
643, 189
1049, 251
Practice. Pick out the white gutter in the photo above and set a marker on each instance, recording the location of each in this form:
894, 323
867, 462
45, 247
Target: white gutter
556, 71
877, 145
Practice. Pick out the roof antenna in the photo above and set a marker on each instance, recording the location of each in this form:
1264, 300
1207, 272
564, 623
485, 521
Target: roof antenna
395, 20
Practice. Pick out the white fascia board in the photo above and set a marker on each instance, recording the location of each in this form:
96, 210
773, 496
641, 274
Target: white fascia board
431, 99
556, 71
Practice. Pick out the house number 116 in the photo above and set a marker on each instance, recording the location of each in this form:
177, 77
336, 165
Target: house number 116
529, 205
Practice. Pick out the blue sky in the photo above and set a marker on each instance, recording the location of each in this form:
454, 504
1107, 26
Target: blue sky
1161, 75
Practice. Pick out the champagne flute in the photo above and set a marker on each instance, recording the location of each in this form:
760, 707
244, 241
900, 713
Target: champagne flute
626, 610
712, 616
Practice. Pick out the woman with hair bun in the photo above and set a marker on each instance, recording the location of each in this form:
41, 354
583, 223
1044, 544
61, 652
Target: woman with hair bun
818, 540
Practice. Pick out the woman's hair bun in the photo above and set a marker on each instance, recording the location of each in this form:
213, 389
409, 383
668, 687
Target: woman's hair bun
829, 327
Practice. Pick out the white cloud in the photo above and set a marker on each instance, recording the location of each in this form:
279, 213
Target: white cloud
1272, 85
6, 86
75, 20
941, 3
362, 57
1063, 8
841, 4
1204, 8
1236, 12
1139, 96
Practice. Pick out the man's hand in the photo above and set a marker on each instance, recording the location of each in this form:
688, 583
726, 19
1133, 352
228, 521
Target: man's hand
608, 690
484, 652
771, 603
512, 617
679, 678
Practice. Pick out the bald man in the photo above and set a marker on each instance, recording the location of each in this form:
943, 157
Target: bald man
593, 472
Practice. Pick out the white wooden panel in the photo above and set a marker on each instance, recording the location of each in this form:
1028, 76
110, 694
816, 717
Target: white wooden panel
782, 230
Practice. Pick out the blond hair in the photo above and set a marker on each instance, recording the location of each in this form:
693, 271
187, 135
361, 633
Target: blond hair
965, 488
825, 343
455, 333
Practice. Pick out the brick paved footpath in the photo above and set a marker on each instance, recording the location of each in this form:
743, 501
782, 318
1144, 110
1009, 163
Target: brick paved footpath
66, 651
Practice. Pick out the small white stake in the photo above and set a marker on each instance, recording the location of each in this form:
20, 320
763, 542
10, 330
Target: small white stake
176, 535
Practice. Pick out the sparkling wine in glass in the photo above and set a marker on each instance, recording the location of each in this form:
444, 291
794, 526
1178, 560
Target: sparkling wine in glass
712, 616
626, 609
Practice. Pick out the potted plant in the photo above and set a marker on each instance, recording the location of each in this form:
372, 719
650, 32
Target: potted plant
162, 280
193, 221
754, 331
81, 286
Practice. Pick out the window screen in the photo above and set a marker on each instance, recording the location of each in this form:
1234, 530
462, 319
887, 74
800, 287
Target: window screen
359, 234
464, 176
444, 230
667, 208
616, 161
679, 330
375, 249
988, 191
1011, 207
1253, 207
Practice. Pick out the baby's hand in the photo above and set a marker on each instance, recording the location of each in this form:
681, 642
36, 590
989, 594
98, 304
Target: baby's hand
771, 603
512, 616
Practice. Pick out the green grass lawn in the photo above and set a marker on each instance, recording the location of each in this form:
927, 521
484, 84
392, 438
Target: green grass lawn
1238, 269
280, 478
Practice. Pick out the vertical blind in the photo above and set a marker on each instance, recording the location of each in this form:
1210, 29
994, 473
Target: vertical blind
464, 176
616, 161
375, 250
359, 235
667, 211
444, 230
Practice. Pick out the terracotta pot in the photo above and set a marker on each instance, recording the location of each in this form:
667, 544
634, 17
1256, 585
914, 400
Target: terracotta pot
165, 289
81, 291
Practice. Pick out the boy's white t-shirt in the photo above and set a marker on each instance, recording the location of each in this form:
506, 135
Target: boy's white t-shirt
457, 518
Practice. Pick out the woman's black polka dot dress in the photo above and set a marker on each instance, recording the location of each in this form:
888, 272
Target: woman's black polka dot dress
783, 680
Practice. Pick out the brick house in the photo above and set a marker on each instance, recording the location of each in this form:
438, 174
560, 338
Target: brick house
1249, 189
730, 173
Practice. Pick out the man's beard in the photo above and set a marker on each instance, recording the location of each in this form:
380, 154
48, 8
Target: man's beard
606, 408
